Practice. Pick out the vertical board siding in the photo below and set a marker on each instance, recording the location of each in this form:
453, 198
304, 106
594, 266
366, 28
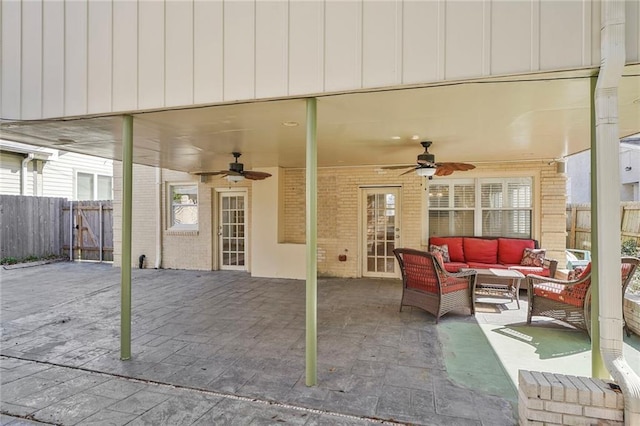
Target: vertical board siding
179, 53
632, 39
420, 42
343, 50
110, 56
381, 43
272, 60
99, 57
11, 60
207, 50
151, 71
239, 50
53, 59
464, 49
75, 55
306, 47
32, 59
561, 34
30, 226
125, 56
510, 37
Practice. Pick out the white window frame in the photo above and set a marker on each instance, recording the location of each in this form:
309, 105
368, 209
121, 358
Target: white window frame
94, 191
477, 208
171, 226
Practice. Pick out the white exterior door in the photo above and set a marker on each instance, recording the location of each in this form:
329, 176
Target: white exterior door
381, 233
232, 235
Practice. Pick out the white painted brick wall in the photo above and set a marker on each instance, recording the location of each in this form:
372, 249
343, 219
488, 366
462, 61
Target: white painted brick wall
547, 399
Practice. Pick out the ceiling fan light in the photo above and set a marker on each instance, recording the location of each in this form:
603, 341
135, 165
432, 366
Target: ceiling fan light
235, 178
426, 171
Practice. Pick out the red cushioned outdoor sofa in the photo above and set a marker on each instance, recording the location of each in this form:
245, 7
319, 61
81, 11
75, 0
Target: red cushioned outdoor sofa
521, 254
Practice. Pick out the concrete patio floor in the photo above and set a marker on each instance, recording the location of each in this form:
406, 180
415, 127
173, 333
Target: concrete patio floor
225, 348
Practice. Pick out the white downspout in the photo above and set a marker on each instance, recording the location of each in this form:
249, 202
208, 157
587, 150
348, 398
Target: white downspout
24, 173
158, 262
612, 50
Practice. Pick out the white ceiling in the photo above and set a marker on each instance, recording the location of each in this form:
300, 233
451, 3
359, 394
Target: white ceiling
543, 116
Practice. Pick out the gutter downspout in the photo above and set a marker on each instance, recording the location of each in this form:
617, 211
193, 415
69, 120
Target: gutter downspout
158, 262
23, 173
613, 56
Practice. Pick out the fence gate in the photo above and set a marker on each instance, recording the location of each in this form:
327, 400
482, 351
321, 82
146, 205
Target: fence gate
88, 225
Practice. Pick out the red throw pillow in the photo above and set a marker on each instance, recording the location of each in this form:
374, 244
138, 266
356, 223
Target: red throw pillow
510, 250
533, 257
456, 253
480, 250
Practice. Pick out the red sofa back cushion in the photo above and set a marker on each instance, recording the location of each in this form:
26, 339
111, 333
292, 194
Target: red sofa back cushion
479, 250
510, 250
456, 252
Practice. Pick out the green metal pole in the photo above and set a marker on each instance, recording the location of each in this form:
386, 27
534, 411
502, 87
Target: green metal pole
125, 277
312, 249
598, 368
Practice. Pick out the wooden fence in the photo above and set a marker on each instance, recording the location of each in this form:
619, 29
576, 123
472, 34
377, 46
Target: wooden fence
579, 224
30, 226
91, 231
41, 227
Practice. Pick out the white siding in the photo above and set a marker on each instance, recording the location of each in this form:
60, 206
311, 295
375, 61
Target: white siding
59, 176
10, 165
101, 57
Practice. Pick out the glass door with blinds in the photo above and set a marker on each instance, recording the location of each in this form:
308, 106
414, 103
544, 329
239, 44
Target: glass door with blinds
232, 234
381, 233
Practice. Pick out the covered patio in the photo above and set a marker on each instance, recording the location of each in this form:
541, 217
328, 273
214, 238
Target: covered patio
228, 333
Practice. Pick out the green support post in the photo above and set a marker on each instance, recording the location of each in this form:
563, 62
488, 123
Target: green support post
598, 368
125, 271
312, 249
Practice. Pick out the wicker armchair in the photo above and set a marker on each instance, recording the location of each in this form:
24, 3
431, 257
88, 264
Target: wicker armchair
570, 301
428, 286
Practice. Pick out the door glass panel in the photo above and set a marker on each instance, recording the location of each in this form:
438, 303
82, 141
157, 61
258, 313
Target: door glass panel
232, 231
380, 232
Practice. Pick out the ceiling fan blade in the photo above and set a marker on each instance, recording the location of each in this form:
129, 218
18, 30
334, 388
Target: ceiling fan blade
218, 172
457, 166
397, 167
411, 170
255, 175
443, 171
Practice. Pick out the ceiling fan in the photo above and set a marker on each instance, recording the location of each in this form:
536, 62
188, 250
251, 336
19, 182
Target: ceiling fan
236, 172
426, 165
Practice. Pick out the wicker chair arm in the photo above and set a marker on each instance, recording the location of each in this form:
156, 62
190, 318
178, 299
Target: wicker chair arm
551, 265
462, 274
533, 279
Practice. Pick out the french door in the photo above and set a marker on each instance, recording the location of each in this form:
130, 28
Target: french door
232, 235
381, 233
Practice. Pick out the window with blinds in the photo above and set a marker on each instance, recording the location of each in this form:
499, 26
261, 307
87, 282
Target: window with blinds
505, 208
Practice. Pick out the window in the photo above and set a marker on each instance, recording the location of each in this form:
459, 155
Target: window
504, 209
184, 206
91, 186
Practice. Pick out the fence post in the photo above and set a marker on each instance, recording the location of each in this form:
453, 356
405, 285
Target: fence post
100, 231
572, 231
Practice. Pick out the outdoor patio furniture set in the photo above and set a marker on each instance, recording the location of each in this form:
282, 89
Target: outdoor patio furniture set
428, 284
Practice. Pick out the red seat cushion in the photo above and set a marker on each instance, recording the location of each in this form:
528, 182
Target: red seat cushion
510, 250
455, 266
477, 265
571, 295
452, 284
526, 270
480, 250
456, 251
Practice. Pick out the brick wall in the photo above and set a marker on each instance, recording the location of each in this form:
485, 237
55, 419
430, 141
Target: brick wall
631, 306
557, 399
338, 209
180, 249
339, 192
